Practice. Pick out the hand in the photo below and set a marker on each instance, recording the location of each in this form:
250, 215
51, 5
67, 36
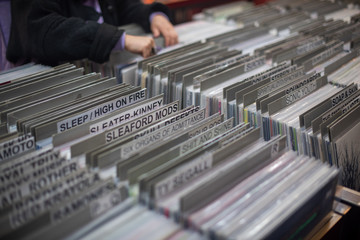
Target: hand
160, 25
139, 45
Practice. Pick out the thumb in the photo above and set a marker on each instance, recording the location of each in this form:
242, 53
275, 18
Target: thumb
156, 32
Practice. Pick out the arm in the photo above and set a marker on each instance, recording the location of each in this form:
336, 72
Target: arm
56, 37
134, 11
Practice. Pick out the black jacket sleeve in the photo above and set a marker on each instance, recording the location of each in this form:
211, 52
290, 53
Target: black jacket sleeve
55, 34
53, 31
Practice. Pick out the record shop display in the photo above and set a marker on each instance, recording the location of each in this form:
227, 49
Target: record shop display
247, 129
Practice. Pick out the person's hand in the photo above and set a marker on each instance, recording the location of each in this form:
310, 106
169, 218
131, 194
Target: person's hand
139, 45
160, 25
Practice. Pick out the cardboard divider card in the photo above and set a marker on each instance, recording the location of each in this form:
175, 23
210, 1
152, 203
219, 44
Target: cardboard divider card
271, 87
230, 90
302, 47
137, 109
11, 106
30, 164
173, 179
206, 136
103, 109
85, 91
336, 128
176, 76
297, 94
148, 173
76, 204
136, 134
129, 114
336, 65
53, 113
108, 154
34, 183
19, 80
323, 121
168, 110
30, 207
286, 90
229, 93
45, 83
125, 129
16, 147
321, 57
50, 121
183, 174
140, 143
305, 119
240, 95
208, 144
189, 202
124, 166
299, 60
49, 118
181, 64
54, 193
63, 101
24, 159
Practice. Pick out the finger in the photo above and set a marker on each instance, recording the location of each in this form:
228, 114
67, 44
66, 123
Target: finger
146, 53
156, 32
173, 39
149, 47
167, 40
176, 38
172, 36
152, 44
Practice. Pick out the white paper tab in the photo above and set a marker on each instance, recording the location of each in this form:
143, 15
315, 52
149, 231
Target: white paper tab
206, 136
125, 129
16, 146
132, 147
183, 174
125, 116
101, 110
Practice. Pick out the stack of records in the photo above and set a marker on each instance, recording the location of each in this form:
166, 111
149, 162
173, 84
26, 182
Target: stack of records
71, 156
220, 14
199, 133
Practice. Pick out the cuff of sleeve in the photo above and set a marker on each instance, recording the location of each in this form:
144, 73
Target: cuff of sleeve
120, 45
157, 13
106, 38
